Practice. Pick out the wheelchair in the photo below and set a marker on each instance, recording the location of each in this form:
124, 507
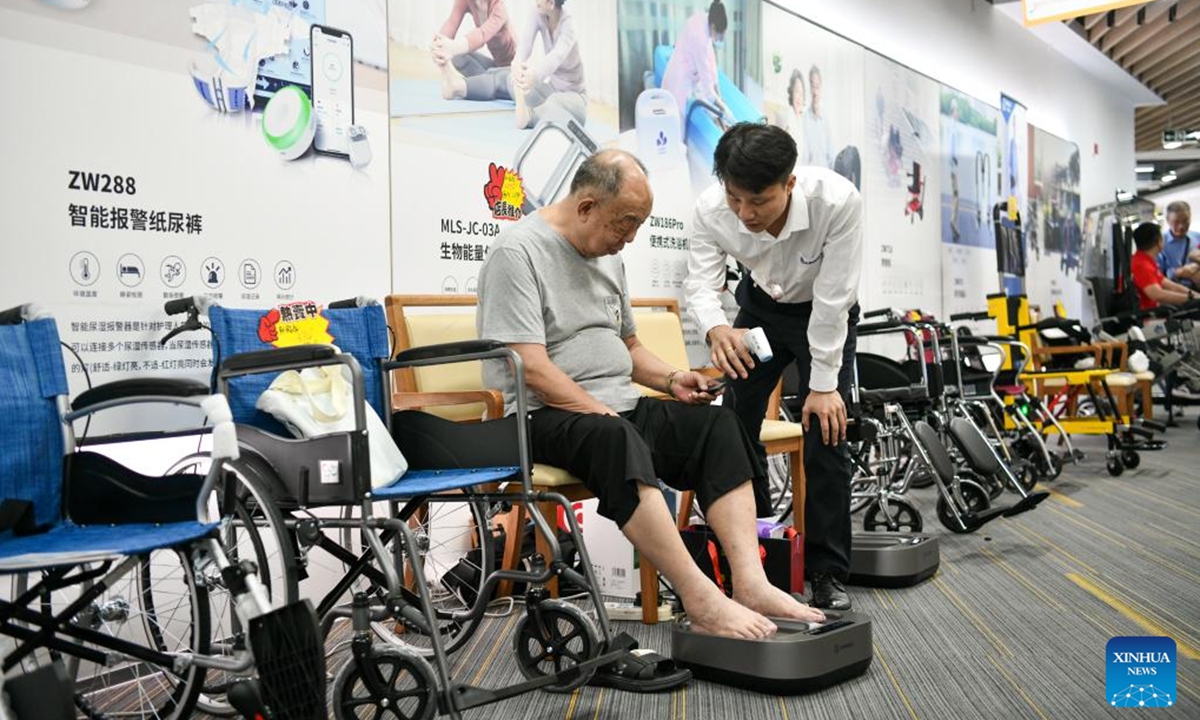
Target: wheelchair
413, 557
117, 577
915, 432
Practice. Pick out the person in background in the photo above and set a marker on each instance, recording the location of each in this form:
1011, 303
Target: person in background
1180, 256
1153, 287
818, 147
555, 81
796, 107
468, 74
691, 73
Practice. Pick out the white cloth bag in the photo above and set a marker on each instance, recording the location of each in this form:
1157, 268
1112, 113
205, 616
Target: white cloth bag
316, 401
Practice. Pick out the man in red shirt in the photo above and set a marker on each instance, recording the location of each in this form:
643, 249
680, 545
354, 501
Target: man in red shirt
1152, 286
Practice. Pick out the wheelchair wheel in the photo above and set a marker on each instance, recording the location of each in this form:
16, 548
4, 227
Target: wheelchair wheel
457, 551
991, 484
256, 532
564, 638
1115, 465
779, 477
905, 517
975, 497
862, 492
410, 689
1131, 458
157, 605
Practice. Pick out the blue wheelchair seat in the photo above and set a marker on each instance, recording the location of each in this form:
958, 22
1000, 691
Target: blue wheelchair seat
31, 463
68, 544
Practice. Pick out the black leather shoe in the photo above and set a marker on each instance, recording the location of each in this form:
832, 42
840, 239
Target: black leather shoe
828, 593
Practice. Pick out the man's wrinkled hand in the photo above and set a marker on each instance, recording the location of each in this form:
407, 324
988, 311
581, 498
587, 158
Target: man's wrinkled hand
692, 388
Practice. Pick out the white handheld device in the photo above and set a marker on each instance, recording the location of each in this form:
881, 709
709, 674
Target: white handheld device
756, 342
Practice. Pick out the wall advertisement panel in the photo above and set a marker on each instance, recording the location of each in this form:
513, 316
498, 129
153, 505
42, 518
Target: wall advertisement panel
902, 258
141, 169
970, 181
1054, 235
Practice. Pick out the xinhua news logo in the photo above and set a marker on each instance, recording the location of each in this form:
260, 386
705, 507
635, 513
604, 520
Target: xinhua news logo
1140, 672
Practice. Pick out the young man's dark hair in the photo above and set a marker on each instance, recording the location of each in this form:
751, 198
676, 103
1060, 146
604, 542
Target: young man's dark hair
752, 156
717, 17
1146, 236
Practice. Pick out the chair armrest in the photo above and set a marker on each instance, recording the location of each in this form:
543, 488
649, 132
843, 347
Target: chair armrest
443, 350
278, 358
139, 387
492, 399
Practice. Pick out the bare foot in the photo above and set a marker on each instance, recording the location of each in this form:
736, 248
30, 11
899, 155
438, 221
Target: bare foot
773, 602
454, 85
716, 614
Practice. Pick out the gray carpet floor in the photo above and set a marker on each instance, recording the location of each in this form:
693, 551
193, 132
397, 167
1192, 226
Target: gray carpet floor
1014, 624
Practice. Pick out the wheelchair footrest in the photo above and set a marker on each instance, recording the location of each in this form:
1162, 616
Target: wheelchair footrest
1154, 426
466, 697
289, 654
1131, 430
1026, 503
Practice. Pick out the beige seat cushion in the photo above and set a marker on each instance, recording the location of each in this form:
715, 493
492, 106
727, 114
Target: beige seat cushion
1121, 380
1054, 382
1145, 376
550, 476
780, 430
444, 328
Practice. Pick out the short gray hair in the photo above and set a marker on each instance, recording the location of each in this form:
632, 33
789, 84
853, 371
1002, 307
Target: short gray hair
603, 173
1179, 206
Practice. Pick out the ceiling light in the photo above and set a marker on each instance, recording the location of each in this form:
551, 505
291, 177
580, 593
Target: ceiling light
1144, 169
1174, 145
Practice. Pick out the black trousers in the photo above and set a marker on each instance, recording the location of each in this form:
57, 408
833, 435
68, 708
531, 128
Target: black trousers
689, 447
827, 467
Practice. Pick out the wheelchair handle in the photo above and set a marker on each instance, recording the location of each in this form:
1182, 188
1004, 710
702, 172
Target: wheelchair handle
960, 317
13, 316
354, 302
881, 312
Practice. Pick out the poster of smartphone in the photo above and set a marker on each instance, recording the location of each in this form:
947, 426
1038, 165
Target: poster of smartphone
332, 88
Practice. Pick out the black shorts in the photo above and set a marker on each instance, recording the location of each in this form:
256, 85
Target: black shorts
689, 447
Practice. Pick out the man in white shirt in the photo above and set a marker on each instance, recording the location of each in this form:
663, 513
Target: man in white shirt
799, 233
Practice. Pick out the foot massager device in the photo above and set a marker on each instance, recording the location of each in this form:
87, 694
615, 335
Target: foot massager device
801, 657
893, 560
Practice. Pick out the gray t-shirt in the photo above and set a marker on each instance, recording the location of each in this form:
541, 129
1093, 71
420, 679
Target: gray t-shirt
536, 288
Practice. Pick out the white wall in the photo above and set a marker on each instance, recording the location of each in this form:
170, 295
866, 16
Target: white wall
970, 45
1189, 193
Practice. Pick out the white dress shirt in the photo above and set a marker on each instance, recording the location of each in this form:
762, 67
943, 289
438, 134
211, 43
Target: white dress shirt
817, 257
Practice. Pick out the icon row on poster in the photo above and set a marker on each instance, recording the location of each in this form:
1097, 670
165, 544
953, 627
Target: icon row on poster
173, 271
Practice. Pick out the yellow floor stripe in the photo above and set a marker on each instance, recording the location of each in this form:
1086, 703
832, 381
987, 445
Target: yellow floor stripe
599, 701
492, 655
1140, 491
891, 599
783, 708
1141, 620
1037, 592
1059, 497
1098, 529
573, 703
975, 620
1020, 690
896, 683
1159, 520
1029, 533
